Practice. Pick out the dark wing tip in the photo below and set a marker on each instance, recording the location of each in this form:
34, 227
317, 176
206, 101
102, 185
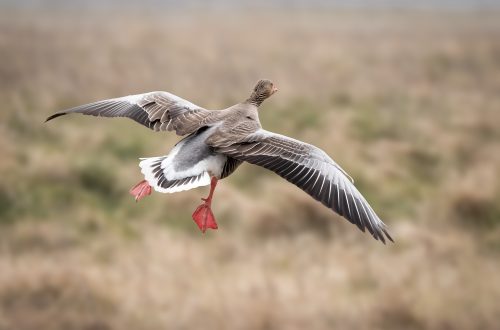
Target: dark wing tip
59, 114
387, 235
379, 234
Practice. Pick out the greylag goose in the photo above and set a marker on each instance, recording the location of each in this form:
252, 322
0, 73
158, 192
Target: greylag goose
217, 142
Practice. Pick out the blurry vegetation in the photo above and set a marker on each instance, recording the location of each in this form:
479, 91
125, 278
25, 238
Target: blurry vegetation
381, 117
341, 99
55, 303
298, 116
6, 205
406, 102
476, 211
423, 164
291, 216
98, 179
124, 149
399, 316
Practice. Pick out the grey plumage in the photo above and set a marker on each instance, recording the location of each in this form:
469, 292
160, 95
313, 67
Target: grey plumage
159, 111
310, 169
219, 141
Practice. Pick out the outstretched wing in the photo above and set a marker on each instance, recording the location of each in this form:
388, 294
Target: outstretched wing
159, 111
313, 171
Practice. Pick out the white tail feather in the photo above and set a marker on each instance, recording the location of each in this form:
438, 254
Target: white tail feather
149, 165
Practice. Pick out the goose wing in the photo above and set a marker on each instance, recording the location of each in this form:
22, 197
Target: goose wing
310, 169
159, 111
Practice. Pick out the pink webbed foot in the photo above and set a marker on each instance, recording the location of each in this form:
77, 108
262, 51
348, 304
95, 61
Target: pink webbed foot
203, 215
140, 190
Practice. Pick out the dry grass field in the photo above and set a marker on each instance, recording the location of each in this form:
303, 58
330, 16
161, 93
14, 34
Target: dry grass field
407, 102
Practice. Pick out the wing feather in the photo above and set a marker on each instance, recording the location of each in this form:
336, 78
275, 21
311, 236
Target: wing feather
159, 111
310, 169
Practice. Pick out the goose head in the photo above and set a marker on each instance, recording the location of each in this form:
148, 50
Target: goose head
262, 90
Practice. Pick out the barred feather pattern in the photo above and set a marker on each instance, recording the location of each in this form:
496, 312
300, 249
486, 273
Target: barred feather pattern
159, 111
155, 175
313, 171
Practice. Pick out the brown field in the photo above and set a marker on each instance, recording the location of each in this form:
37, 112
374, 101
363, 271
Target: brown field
407, 102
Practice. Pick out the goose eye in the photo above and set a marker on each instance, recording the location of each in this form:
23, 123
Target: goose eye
248, 117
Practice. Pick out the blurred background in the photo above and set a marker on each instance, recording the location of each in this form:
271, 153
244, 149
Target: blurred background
404, 96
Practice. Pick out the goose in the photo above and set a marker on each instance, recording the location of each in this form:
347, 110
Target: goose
216, 142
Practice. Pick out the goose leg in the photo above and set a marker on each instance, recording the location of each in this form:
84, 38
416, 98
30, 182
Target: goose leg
203, 215
140, 190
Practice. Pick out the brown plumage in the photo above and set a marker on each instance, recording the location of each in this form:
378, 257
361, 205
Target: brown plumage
218, 141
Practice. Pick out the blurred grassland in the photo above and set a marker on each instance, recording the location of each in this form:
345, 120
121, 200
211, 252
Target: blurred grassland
407, 102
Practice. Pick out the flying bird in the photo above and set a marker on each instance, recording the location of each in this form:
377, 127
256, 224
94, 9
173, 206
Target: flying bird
216, 142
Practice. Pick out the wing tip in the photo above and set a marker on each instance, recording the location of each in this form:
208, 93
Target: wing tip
387, 235
382, 234
58, 114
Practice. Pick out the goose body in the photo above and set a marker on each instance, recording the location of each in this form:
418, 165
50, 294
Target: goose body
216, 142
